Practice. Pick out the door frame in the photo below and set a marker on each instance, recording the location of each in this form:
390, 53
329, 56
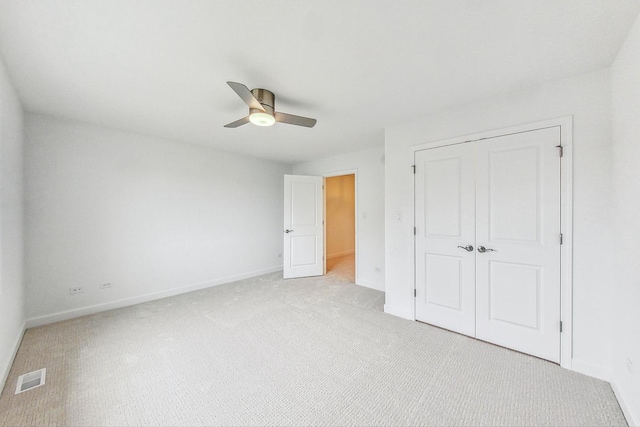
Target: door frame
353, 172
566, 215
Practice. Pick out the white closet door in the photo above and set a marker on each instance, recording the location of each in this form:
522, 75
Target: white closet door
445, 221
518, 221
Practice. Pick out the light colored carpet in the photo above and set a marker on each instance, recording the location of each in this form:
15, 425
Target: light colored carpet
343, 267
268, 351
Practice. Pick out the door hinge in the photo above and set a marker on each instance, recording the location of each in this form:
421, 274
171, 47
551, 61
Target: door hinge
561, 238
414, 231
561, 326
561, 150
415, 293
414, 169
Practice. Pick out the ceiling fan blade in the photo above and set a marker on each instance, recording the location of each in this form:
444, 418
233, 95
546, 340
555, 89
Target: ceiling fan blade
246, 95
238, 123
290, 119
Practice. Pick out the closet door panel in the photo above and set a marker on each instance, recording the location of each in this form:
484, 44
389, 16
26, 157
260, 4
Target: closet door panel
444, 203
518, 222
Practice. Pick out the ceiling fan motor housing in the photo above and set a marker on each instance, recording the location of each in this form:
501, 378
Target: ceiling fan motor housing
266, 98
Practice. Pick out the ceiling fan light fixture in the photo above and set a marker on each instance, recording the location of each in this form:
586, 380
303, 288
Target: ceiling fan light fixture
261, 109
260, 118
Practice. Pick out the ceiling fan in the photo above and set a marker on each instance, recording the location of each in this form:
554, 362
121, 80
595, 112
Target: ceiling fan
262, 112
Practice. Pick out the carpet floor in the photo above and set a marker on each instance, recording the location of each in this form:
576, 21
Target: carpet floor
268, 351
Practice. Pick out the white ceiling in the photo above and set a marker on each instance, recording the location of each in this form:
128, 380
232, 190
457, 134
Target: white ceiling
159, 67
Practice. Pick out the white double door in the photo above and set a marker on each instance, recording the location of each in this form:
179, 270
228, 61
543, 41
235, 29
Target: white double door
488, 240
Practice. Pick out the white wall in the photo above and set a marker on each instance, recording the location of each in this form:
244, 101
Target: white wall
369, 168
588, 99
153, 217
625, 285
11, 224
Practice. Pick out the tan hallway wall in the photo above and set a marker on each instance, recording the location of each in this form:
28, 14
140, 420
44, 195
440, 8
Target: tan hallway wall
340, 215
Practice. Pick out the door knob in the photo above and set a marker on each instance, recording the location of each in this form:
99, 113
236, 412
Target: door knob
288, 231
467, 248
482, 249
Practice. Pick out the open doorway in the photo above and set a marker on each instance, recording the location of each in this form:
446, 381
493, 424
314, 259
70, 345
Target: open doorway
340, 226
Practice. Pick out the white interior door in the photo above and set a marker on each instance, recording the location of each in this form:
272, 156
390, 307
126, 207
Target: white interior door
518, 221
445, 226
303, 230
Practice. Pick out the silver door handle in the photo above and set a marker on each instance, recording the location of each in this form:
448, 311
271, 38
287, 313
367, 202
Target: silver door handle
288, 231
467, 248
482, 249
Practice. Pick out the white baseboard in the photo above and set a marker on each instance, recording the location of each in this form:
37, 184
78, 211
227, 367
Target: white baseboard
398, 311
591, 369
9, 362
97, 308
624, 406
338, 254
370, 285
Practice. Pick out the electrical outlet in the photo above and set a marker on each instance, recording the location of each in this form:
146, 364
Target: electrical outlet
76, 290
105, 285
279, 256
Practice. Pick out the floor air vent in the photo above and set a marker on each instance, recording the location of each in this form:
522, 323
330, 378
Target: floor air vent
31, 380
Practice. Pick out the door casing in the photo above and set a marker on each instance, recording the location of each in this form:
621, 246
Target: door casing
566, 220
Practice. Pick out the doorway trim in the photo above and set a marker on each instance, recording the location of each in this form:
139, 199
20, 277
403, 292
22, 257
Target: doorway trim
566, 215
353, 172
